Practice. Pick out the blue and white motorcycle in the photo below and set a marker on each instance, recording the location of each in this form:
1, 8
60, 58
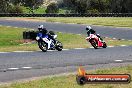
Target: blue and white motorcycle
45, 43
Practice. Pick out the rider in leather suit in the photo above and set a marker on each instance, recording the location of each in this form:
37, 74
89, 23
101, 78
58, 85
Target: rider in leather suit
51, 34
91, 31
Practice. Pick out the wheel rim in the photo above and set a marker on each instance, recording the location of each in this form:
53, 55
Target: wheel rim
94, 44
59, 45
43, 46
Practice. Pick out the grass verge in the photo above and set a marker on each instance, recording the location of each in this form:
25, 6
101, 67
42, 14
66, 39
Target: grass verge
70, 80
11, 40
104, 21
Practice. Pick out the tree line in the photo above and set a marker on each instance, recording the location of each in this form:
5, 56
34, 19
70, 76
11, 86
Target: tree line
71, 6
14, 6
98, 6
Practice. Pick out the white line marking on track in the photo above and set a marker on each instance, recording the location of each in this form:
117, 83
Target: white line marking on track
123, 45
4, 52
15, 27
8, 26
122, 39
106, 37
57, 22
27, 67
114, 38
13, 68
110, 46
22, 51
79, 48
54, 50
32, 29
78, 34
51, 50
25, 28
71, 23
65, 49
129, 40
118, 60
91, 47
0, 25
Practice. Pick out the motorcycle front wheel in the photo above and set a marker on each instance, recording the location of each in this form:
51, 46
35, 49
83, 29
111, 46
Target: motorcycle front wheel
43, 46
94, 44
59, 46
104, 45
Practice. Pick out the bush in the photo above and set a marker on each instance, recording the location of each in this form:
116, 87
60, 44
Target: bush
52, 8
16, 9
93, 11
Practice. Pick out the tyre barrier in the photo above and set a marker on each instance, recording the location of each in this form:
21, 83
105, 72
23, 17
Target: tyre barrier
67, 15
29, 35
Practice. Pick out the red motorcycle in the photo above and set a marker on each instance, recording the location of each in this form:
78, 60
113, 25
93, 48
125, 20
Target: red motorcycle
96, 42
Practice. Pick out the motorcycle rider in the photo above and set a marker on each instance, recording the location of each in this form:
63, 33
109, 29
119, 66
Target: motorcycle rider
91, 31
44, 31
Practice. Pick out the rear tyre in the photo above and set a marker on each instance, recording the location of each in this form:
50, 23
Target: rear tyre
104, 45
94, 44
43, 46
59, 46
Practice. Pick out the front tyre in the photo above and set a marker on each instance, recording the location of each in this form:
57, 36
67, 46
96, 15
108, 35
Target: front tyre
43, 46
59, 46
94, 44
104, 45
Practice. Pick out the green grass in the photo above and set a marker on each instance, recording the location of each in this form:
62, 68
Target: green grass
117, 42
10, 36
70, 80
105, 21
40, 10
73, 40
11, 40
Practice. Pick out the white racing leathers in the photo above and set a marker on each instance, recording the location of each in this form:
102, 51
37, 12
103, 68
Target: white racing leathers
49, 41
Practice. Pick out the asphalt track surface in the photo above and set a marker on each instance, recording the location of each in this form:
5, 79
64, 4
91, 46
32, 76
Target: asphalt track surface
120, 33
20, 65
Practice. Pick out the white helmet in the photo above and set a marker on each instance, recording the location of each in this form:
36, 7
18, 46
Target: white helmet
88, 27
40, 27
